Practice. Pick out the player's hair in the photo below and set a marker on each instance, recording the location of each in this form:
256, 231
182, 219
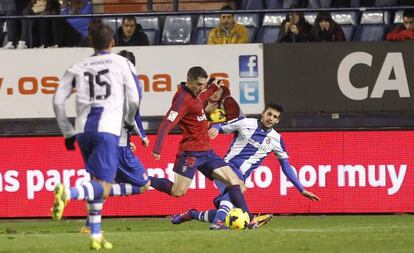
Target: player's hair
129, 55
129, 18
409, 13
276, 107
101, 36
195, 72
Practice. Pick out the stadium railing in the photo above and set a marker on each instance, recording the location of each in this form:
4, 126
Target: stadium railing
339, 14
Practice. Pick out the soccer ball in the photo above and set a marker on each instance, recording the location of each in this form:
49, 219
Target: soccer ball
218, 116
237, 219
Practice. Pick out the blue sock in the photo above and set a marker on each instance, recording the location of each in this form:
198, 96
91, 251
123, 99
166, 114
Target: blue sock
161, 184
94, 217
224, 208
204, 216
124, 189
237, 198
88, 191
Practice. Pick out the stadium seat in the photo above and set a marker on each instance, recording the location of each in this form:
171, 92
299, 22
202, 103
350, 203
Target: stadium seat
373, 26
398, 17
269, 31
274, 4
251, 22
310, 17
177, 30
204, 24
151, 27
113, 22
347, 21
252, 4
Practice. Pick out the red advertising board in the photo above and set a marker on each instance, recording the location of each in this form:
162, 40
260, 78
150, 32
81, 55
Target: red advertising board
352, 172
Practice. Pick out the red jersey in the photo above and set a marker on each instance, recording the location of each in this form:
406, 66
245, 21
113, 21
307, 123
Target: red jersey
188, 112
400, 33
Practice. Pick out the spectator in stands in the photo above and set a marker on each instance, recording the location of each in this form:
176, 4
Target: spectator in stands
84, 41
130, 33
403, 31
7, 8
11, 8
228, 31
222, 99
326, 29
295, 28
75, 28
41, 32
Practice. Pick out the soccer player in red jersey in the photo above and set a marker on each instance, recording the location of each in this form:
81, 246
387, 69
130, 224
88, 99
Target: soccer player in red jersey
195, 151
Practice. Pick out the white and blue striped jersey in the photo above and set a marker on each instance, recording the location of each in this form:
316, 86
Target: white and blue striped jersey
125, 135
103, 83
251, 144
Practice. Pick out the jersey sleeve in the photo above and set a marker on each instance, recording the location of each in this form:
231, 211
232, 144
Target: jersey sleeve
131, 95
174, 115
232, 125
138, 120
141, 130
63, 92
280, 149
289, 173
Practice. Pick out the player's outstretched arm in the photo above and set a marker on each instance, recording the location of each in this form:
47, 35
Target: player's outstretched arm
310, 195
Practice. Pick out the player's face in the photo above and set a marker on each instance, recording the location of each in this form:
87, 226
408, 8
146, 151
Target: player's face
270, 117
198, 85
227, 20
128, 27
409, 23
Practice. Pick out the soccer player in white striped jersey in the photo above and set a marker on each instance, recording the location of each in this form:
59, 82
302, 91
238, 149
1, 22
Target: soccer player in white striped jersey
131, 176
254, 141
104, 86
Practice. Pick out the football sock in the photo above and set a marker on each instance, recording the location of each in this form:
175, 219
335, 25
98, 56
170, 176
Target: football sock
204, 216
124, 189
88, 190
94, 217
161, 184
237, 198
223, 210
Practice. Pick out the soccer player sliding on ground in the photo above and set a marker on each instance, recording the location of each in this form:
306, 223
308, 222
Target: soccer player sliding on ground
254, 141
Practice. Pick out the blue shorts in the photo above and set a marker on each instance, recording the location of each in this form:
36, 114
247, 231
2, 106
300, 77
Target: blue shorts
130, 168
100, 154
206, 162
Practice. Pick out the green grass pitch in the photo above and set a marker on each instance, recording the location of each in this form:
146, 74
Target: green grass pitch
350, 233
